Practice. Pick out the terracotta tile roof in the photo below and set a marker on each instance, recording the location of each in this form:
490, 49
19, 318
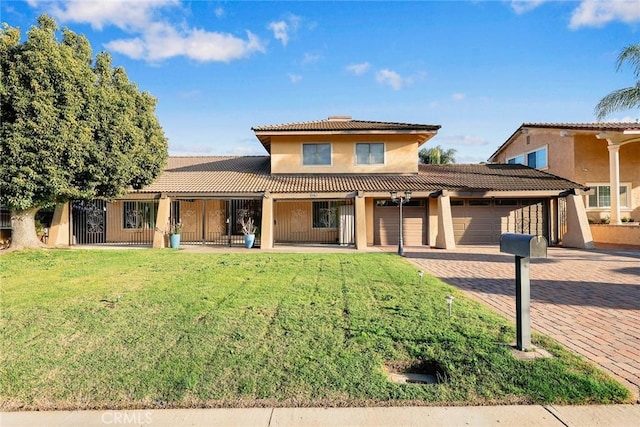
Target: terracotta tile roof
344, 123
245, 175
597, 126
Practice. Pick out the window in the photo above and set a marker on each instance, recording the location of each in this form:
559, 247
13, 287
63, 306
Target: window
370, 153
316, 154
139, 215
535, 159
600, 196
517, 159
325, 214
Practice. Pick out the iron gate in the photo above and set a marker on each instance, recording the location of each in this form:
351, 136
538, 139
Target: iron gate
88, 219
216, 221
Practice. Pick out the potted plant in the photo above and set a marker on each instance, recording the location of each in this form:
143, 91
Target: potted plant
174, 234
249, 230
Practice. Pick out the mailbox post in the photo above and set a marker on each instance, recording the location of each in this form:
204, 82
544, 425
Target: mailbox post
524, 247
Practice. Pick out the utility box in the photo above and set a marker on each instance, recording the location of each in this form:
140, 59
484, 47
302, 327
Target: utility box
524, 247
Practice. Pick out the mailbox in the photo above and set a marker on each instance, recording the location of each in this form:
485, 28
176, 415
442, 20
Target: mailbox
524, 245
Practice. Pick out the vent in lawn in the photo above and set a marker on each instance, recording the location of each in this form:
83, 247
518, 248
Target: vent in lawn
416, 372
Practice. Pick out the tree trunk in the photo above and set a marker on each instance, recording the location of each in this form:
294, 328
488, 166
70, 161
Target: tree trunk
23, 230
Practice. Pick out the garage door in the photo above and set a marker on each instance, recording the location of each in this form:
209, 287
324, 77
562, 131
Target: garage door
482, 221
414, 224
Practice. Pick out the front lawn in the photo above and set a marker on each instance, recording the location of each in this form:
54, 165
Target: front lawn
167, 328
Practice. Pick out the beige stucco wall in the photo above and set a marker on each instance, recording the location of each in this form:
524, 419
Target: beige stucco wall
560, 158
401, 154
582, 158
616, 234
369, 209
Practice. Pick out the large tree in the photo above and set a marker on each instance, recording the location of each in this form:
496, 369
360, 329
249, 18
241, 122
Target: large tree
626, 98
437, 155
72, 127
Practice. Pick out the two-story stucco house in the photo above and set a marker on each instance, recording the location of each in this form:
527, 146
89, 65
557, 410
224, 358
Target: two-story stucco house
330, 182
601, 156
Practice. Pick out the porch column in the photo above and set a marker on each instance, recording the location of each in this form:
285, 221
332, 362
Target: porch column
360, 222
614, 181
59, 230
162, 222
445, 238
266, 228
578, 233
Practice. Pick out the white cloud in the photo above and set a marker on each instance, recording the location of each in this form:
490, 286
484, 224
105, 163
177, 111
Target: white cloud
592, 13
295, 78
282, 30
162, 41
358, 69
310, 58
524, 6
152, 37
458, 96
624, 119
219, 12
127, 15
391, 78
464, 140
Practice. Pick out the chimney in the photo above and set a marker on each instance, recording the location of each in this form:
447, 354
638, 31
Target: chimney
340, 118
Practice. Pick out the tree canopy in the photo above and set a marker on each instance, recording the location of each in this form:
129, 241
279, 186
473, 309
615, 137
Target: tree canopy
625, 98
437, 155
72, 127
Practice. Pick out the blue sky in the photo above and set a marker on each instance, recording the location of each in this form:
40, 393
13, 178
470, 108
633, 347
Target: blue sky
477, 68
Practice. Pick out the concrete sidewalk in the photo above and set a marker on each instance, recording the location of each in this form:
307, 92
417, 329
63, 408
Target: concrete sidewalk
522, 416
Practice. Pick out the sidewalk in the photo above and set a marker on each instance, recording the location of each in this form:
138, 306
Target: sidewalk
522, 416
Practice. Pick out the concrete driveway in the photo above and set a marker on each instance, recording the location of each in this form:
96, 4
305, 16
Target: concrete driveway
588, 300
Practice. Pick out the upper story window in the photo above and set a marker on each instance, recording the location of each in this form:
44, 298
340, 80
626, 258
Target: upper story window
370, 153
600, 196
537, 159
534, 159
517, 159
316, 154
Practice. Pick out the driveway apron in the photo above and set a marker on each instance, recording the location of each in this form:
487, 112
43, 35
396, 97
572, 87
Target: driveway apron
588, 300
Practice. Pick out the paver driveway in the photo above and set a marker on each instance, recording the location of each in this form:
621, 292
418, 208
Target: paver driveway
587, 300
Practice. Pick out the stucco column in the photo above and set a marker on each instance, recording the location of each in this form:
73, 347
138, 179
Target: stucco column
578, 233
360, 223
266, 228
614, 181
445, 238
59, 230
162, 222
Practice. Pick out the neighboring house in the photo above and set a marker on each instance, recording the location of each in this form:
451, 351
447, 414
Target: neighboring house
330, 182
600, 156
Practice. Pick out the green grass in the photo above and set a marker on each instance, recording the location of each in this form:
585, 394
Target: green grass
167, 328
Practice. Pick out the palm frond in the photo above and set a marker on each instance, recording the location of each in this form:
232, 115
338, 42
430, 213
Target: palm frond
621, 99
